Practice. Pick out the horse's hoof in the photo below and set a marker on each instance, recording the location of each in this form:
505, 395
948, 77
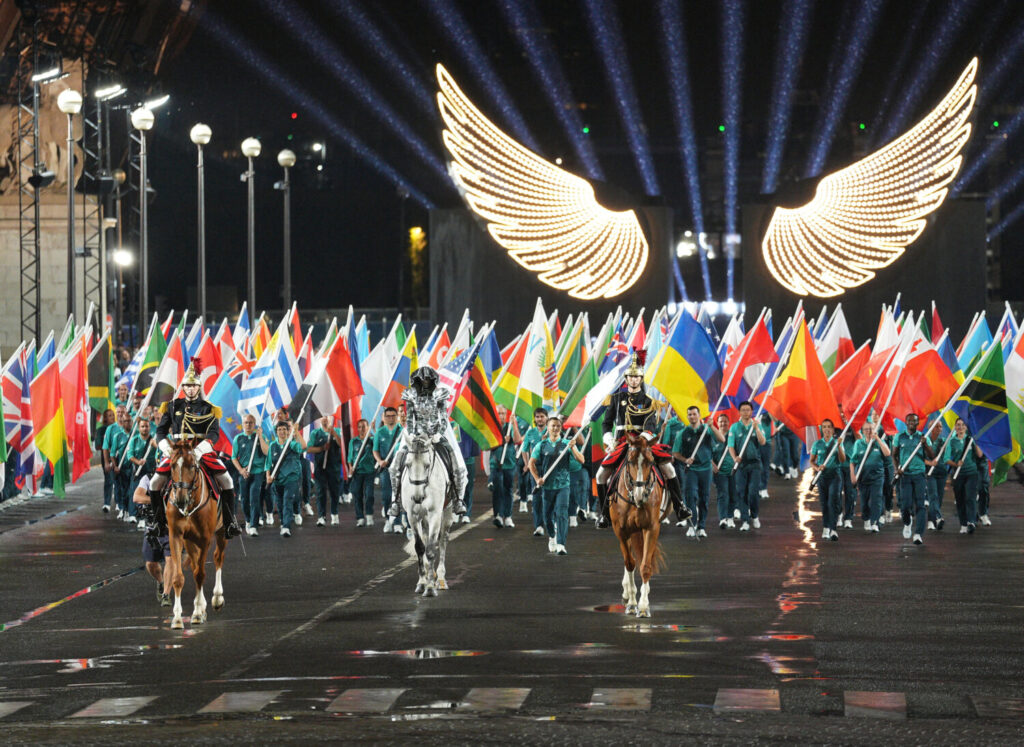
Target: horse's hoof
630, 609
643, 612
430, 592
420, 588
217, 603
177, 624
198, 618
442, 584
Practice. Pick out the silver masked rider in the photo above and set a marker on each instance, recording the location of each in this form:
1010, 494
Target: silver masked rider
426, 410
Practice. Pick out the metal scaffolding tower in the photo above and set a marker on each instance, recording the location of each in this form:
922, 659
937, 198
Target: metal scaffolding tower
94, 181
28, 199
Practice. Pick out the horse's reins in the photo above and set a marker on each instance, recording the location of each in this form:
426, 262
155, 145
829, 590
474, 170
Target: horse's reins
190, 489
433, 458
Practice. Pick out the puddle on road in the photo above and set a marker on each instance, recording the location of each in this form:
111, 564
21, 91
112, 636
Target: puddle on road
783, 637
416, 653
788, 665
48, 554
80, 664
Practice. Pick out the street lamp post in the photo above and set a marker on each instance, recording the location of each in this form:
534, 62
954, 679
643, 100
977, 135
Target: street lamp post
70, 102
251, 149
122, 258
200, 135
142, 120
286, 159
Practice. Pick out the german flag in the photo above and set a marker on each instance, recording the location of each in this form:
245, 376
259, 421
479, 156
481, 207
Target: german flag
475, 411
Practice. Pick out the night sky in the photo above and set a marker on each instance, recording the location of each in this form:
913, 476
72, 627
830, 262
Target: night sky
248, 67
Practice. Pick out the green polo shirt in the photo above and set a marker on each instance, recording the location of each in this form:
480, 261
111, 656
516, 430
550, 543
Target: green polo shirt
319, 437
137, 448
873, 467
366, 463
290, 471
738, 435
241, 449
718, 449
546, 452
672, 428
821, 449
955, 452
385, 438
687, 440
510, 457
115, 440
906, 443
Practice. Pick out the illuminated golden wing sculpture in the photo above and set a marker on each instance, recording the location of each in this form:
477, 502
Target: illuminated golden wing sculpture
862, 218
546, 218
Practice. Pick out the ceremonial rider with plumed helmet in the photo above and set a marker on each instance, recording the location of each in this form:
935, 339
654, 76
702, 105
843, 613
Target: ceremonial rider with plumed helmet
631, 410
192, 417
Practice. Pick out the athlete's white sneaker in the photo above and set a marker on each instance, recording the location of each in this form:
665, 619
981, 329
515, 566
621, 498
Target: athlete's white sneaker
369, 521
286, 532
848, 524
763, 494
985, 520
538, 532
906, 531
308, 509
321, 522
963, 530
522, 507
701, 533
560, 550
730, 523
389, 525
744, 527
252, 532
466, 519
572, 522
360, 522
691, 532
298, 519
931, 525
736, 514
874, 528
335, 521
825, 534
867, 526
756, 523
268, 520
918, 540
509, 524
552, 544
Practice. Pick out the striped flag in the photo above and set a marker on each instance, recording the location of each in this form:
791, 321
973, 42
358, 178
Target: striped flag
274, 380
240, 335
48, 424
475, 411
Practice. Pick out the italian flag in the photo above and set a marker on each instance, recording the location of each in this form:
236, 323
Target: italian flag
51, 437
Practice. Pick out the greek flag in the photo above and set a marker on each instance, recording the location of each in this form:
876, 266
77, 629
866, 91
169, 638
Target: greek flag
275, 379
128, 377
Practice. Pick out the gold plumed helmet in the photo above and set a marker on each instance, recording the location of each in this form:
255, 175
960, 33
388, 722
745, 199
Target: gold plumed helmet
636, 364
191, 377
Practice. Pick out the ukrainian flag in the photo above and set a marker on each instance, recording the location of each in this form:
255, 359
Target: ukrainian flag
687, 370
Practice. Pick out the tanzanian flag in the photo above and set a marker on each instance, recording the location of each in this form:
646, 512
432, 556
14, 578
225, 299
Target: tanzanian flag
475, 412
101, 376
51, 438
982, 405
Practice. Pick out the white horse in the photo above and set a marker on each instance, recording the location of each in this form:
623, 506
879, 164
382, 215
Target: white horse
424, 487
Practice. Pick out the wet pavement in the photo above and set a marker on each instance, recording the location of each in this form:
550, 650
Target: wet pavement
770, 635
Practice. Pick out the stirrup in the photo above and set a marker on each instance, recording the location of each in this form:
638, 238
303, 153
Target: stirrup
232, 530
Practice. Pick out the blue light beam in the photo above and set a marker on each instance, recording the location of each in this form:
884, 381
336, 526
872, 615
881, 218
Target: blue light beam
953, 17
977, 162
796, 15
1005, 188
733, 21
418, 88
895, 72
1011, 217
303, 28
526, 24
451, 21
848, 69
604, 27
294, 92
673, 47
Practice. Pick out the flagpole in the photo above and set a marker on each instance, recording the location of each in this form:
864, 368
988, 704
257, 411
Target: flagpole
273, 472
566, 450
398, 362
853, 416
949, 404
149, 445
967, 449
732, 375
942, 451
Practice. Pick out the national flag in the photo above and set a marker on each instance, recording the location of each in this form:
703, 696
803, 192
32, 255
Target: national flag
296, 329
595, 399
26, 456
359, 347
240, 335
331, 382
190, 343
1007, 329
224, 395
379, 367
428, 344
704, 320
275, 378
509, 350
168, 326
837, 343
224, 342
819, 327
12, 380
156, 348
917, 382
101, 375
260, 338
886, 341
801, 397
47, 352
574, 355
688, 371
730, 340
406, 366
48, 424
937, 327
74, 390
168, 375
456, 372
439, 352
978, 339
462, 339
68, 336
945, 350
983, 406
754, 348
618, 350
521, 387
573, 404
129, 375
3, 444
209, 367
490, 353
475, 411
845, 378
1014, 375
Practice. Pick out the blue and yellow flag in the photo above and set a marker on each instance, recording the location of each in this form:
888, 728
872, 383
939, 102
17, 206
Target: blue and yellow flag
687, 370
982, 405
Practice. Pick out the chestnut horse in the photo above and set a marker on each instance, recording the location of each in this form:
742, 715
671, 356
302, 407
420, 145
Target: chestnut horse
635, 507
193, 519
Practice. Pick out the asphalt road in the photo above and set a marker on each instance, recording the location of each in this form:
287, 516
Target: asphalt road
764, 636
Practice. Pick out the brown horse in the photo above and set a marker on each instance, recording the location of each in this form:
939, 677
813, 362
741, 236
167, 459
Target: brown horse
193, 519
636, 518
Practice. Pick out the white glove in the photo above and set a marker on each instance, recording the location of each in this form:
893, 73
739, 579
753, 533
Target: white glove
436, 438
204, 447
165, 447
609, 441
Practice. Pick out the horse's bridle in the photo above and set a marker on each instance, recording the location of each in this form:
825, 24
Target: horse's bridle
647, 485
421, 483
189, 488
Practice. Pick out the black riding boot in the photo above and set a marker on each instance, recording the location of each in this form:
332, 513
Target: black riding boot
604, 520
231, 528
675, 492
